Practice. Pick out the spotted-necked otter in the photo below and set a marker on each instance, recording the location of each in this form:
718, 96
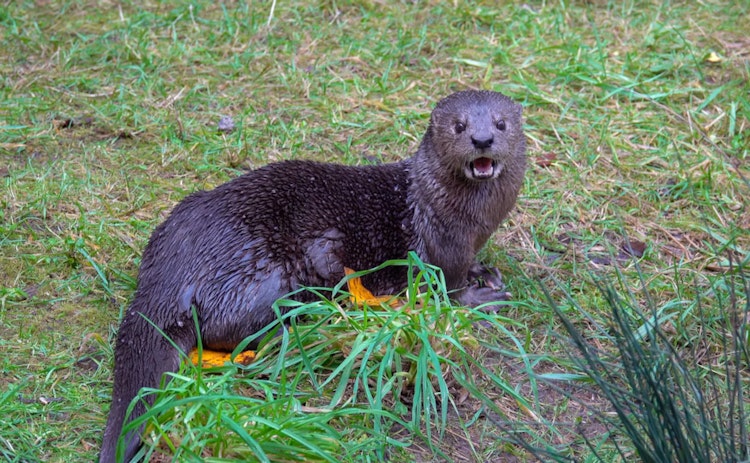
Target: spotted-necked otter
232, 251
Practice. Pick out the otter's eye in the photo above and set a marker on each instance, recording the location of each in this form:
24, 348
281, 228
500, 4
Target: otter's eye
460, 127
500, 125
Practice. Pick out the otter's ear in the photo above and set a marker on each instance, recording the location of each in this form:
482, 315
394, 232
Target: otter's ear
517, 109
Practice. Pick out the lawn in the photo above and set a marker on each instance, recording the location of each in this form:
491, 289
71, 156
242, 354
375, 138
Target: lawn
637, 117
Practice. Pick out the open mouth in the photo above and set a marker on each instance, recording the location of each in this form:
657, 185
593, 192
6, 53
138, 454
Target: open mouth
482, 168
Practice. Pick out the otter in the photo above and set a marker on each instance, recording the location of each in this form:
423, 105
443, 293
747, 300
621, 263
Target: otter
230, 252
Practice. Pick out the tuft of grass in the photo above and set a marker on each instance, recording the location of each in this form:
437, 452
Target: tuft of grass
339, 383
666, 403
201, 416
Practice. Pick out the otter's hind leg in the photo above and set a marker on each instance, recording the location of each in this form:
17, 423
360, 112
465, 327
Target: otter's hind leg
238, 304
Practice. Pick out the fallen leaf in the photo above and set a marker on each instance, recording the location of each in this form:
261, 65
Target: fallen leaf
634, 248
599, 259
713, 58
546, 159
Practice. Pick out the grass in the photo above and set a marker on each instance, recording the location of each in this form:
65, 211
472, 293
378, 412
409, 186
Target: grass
367, 369
664, 401
637, 122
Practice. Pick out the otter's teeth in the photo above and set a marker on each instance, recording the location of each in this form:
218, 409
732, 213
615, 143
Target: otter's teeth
482, 168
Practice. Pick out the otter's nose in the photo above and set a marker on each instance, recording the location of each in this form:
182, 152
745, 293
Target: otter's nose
481, 142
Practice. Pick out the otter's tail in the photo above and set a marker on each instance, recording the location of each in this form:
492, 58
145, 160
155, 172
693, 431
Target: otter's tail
142, 356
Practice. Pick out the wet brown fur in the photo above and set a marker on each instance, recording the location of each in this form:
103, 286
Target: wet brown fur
232, 251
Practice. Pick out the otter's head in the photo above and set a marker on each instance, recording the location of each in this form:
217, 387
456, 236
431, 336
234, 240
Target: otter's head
477, 135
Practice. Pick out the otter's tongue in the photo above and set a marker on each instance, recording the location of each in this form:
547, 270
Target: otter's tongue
482, 167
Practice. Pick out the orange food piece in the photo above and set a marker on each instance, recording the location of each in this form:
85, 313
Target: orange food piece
212, 358
360, 294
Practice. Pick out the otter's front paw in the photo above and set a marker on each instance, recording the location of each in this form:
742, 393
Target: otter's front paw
475, 296
485, 287
482, 276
